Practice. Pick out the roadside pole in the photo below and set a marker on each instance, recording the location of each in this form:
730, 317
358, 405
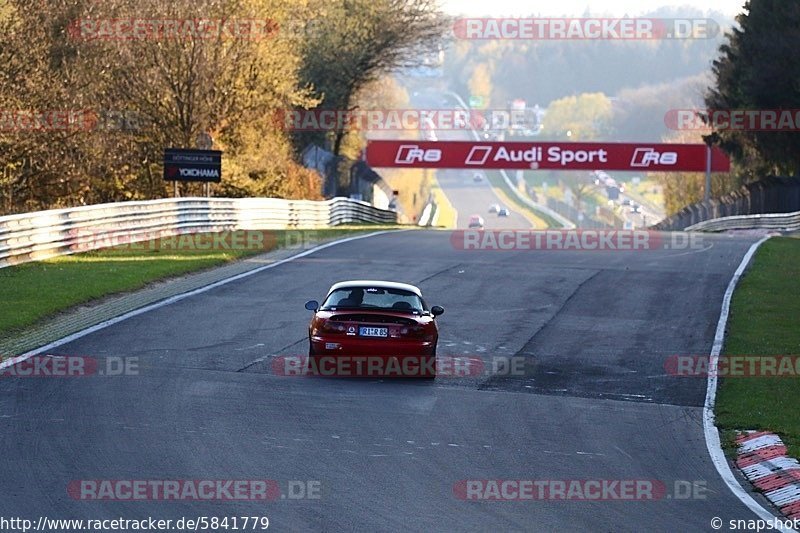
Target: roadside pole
204, 141
707, 195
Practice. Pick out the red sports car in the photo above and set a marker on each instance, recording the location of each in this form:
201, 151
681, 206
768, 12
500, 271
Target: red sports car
373, 328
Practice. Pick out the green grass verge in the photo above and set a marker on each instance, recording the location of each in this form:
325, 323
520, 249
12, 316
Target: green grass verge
497, 181
34, 291
764, 321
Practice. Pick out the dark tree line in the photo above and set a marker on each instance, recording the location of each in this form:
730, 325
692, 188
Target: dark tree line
758, 69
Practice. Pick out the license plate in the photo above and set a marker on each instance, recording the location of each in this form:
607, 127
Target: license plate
373, 332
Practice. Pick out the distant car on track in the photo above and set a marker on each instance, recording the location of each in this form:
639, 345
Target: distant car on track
477, 177
494, 208
503, 212
384, 320
476, 221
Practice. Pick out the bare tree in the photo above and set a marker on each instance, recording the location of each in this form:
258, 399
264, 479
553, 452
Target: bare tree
356, 42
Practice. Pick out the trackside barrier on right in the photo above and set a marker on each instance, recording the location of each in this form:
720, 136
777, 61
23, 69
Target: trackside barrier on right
771, 221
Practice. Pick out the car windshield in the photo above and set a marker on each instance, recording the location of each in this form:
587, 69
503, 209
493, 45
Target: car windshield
374, 298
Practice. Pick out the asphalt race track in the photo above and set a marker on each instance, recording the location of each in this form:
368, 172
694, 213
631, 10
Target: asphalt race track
466, 195
470, 198
596, 402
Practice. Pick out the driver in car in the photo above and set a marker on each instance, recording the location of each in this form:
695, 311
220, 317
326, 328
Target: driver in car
354, 299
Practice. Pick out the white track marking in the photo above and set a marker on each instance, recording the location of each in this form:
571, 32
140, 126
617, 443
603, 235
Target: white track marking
712, 436
178, 297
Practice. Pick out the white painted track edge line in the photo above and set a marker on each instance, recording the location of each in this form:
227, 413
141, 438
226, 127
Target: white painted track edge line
178, 297
713, 443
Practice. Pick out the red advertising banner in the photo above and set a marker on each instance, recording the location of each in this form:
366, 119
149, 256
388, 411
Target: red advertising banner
639, 157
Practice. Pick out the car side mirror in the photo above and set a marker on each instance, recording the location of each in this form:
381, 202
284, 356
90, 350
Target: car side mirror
312, 305
437, 310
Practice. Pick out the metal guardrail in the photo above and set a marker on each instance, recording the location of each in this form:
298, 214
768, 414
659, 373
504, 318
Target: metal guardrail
44, 234
773, 194
773, 221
